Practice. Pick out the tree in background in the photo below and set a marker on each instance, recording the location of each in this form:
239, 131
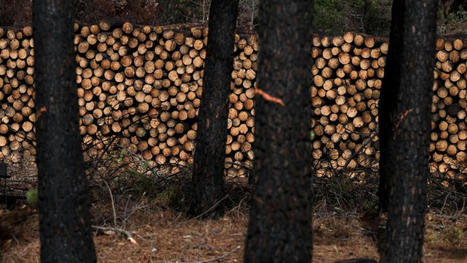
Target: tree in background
279, 229
65, 229
208, 171
405, 125
387, 104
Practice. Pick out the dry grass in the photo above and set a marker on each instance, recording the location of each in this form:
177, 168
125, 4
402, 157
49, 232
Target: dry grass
167, 236
162, 233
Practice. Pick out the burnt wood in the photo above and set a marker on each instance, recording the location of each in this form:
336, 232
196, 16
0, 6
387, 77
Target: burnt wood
279, 229
65, 230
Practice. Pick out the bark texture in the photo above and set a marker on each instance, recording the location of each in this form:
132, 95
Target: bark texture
280, 219
387, 102
407, 156
208, 172
65, 230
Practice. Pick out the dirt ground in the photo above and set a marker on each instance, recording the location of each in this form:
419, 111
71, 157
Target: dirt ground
164, 236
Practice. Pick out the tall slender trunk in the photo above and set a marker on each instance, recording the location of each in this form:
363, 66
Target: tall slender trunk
65, 229
406, 149
388, 101
208, 172
280, 215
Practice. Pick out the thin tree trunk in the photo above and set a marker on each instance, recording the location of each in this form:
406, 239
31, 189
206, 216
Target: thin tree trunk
388, 99
407, 146
208, 172
280, 216
65, 230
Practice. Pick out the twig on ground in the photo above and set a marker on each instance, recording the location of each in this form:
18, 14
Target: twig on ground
128, 235
220, 257
237, 207
212, 207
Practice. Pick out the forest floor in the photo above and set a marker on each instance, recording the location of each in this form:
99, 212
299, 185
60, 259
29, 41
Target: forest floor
150, 210
162, 235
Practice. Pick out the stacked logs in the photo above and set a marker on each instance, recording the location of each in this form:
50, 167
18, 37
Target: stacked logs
240, 124
17, 94
142, 87
449, 124
348, 73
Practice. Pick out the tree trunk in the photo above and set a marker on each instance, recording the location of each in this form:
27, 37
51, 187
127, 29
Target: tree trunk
387, 102
208, 172
65, 231
406, 159
280, 217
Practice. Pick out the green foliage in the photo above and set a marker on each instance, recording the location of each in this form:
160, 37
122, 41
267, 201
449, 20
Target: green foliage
454, 23
329, 16
370, 205
341, 192
455, 235
378, 17
367, 16
137, 183
174, 196
31, 197
451, 234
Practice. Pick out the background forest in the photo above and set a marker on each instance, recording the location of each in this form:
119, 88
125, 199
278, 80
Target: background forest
331, 16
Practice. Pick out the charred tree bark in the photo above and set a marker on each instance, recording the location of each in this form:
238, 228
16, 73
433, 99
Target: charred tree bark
387, 102
65, 230
208, 172
280, 217
408, 143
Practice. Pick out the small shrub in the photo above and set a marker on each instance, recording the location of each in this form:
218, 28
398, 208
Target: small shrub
377, 20
31, 197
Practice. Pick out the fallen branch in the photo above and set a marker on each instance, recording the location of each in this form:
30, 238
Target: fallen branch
212, 207
127, 234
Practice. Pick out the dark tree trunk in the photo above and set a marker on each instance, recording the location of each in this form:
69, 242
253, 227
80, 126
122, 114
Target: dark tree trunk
280, 216
65, 231
407, 146
208, 172
387, 102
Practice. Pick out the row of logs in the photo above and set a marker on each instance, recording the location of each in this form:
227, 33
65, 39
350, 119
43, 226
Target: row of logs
143, 86
348, 73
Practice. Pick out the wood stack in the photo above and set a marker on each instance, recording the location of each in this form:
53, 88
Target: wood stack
449, 125
143, 86
17, 115
348, 72
239, 152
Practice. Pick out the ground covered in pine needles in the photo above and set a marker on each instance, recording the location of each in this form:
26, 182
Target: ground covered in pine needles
140, 217
163, 235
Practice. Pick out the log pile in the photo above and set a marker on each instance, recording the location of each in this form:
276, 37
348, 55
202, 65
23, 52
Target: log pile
449, 124
348, 72
17, 111
143, 86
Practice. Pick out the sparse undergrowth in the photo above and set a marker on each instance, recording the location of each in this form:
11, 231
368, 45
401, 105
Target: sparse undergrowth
150, 205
